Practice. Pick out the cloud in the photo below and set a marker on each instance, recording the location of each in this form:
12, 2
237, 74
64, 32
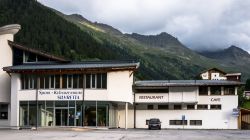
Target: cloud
199, 24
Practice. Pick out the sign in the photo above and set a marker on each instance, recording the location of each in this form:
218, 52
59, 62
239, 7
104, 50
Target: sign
236, 112
151, 98
63, 94
215, 100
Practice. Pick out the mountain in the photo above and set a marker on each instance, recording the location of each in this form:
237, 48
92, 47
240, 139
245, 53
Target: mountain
73, 36
232, 54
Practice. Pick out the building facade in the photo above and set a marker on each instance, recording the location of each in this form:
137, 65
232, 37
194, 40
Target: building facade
188, 104
42, 90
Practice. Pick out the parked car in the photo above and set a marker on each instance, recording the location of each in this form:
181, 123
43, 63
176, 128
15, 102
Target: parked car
154, 123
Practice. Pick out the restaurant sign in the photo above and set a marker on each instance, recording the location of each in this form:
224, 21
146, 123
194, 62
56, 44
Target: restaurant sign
139, 98
66, 94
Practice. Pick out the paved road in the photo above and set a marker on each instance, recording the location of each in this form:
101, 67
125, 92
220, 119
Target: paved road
130, 134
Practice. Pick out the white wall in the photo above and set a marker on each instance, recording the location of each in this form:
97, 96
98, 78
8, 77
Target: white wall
6, 58
183, 94
119, 88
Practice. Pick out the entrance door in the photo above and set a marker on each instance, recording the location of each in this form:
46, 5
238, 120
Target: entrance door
61, 117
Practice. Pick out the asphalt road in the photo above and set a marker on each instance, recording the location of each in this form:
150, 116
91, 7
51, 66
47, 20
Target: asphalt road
120, 134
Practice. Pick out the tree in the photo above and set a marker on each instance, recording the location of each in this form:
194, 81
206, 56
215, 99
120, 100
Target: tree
247, 86
241, 96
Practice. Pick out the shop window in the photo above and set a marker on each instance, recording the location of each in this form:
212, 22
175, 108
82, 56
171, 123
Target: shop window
162, 107
215, 107
202, 107
229, 90
195, 122
177, 122
190, 107
150, 107
203, 90
215, 90
3, 111
177, 107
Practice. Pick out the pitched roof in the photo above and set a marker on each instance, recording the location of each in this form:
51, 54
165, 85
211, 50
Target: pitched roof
37, 52
214, 69
73, 66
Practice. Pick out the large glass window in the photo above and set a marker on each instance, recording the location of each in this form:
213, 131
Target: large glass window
215, 90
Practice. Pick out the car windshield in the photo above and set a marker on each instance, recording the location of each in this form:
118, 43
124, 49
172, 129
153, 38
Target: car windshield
154, 121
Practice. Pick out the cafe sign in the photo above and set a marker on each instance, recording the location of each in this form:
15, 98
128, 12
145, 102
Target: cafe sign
140, 98
66, 94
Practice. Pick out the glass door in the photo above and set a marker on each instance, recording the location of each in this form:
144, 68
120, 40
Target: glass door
61, 117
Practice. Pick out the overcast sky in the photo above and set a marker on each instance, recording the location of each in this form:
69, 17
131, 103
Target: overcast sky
199, 24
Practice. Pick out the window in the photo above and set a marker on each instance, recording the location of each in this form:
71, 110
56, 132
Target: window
64, 81
203, 90
3, 111
189, 107
70, 81
215, 107
98, 81
195, 122
162, 107
215, 90
28, 82
52, 81
202, 107
150, 107
177, 122
88, 79
177, 107
229, 90
57, 81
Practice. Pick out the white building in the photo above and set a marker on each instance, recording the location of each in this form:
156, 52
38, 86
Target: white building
42, 90
198, 104
217, 74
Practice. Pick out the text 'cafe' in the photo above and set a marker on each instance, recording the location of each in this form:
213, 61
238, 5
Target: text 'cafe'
42, 90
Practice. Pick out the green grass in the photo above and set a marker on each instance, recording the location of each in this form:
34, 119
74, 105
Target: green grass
247, 104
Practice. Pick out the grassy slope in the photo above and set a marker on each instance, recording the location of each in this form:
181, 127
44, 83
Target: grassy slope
181, 63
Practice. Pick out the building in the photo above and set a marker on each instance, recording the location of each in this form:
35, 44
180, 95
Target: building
217, 74
189, 104
42, 90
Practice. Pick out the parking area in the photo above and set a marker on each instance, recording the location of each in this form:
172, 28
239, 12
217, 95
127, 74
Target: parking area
120, 134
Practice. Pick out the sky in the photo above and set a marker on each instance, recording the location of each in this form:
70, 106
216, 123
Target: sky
198, 24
